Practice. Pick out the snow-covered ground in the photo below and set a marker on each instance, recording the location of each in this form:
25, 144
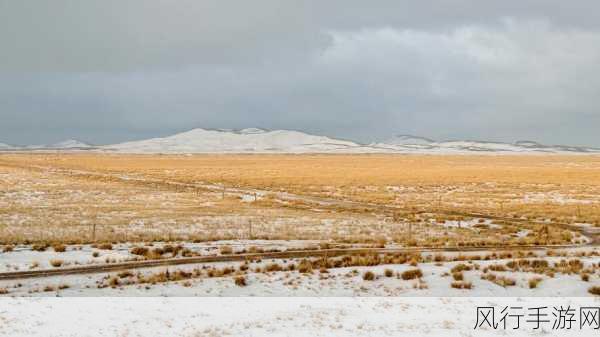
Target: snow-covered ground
277, 316
436, 279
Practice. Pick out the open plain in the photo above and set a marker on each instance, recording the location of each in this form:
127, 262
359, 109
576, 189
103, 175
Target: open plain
85, 223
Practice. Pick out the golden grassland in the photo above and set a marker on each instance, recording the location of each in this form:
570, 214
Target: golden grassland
47, 195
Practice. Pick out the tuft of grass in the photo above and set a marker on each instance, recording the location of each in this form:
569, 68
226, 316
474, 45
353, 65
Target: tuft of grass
39, 247
56, 263
585, 277
461, 285
458, 276
105, 246
3, 291
368, 276
460, 268
142, 251
411, 274
533, 282
240, 281
594, 290
95, 254
388, 273
59, 248
8, 248
226, 250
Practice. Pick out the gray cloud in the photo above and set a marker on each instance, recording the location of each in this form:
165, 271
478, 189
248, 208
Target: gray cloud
117, 70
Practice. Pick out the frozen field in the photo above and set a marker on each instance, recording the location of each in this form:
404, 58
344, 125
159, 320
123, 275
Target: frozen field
301, 316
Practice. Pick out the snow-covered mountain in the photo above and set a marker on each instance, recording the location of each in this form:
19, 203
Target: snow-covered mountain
70, 144
413, 144
5, 146
251, 140
254, 140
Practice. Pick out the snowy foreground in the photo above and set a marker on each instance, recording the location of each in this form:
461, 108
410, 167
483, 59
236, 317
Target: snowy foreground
276, 316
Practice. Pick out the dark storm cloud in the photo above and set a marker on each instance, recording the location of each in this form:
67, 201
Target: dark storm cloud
107, 71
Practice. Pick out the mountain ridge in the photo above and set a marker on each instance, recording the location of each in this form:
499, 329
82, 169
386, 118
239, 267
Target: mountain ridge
259, 140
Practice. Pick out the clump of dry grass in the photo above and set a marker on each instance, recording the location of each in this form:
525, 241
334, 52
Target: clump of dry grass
388, 273
460, 268
585, 277
95, 254
240, 281
56, 263
533, 282
271, 267
411, 274
105, 246
594, 290
461, 285
40, 247
502, 281
226, 250
59, 248
49, 288
141, 251
368, 276
8, 248
3, 291
125, 274
458, 276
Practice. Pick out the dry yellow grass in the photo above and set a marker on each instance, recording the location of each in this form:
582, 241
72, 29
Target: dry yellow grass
59, 197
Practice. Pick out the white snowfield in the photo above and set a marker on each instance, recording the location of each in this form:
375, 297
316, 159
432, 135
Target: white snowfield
254, 140
283, 316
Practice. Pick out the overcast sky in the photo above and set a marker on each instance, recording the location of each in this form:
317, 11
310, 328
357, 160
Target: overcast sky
114, 70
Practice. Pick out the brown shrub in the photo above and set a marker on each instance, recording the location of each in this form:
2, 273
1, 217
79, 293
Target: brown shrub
226, 250
59, 248
273, 267
56, 263
8, 248
105, 246
594, 290
39, 247
139, 251
240, 281
460, 268
125, 274
368, 276
461, 285
458, 276
533, 282
411, 274
388, 273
